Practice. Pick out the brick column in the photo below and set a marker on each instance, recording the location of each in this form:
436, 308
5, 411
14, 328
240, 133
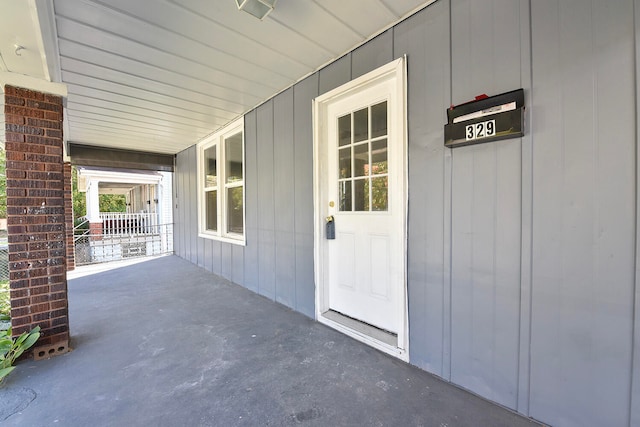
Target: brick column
95, 230
68, 217
36, 217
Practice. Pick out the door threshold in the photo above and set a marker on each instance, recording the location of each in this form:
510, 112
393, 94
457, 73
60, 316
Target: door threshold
380, 339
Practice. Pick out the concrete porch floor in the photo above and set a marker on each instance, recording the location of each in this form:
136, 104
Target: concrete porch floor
165, 343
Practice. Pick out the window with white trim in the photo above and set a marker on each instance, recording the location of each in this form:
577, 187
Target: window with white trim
221, 184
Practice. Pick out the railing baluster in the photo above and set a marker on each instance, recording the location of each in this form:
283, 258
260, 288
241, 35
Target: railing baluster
118, 224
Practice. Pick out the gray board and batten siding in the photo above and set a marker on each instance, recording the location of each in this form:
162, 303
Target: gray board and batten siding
522, 257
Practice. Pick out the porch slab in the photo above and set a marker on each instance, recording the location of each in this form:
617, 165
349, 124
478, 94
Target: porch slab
166, 343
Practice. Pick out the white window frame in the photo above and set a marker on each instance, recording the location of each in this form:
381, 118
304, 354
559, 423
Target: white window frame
217, 139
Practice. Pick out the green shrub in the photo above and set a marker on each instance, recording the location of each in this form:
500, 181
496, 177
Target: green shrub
11, 349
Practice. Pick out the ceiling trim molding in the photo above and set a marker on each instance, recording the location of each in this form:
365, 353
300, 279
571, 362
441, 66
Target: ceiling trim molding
44, 16
105, 176
33, 83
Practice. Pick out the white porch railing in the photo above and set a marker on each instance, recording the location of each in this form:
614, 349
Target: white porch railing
116, 223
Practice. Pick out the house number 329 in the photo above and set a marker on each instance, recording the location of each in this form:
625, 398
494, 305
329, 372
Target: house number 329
481, 130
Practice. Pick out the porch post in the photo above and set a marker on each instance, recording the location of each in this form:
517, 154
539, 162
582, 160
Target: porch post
93, 208
68, 217
36, 216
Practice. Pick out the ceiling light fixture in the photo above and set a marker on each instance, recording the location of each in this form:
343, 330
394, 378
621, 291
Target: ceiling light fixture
258, 8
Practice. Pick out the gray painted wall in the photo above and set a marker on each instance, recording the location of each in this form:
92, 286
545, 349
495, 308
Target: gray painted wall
521, 253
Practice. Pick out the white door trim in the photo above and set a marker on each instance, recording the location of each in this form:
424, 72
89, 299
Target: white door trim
396, 71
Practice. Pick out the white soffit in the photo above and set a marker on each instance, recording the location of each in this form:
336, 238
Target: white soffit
21, 49
159, 75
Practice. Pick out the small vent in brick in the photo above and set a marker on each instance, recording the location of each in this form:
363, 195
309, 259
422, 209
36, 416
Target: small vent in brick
47, 351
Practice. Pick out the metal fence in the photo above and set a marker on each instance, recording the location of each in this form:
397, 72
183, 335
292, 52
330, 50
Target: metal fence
4, 256
122, 240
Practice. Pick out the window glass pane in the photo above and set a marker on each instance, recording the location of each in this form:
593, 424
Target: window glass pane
212, 210
345, 195
380, 193
210, 166
379, 120
233, 153
344, 130
361, 194
234, 210
344, 155
361, 160
379, 157
361, 125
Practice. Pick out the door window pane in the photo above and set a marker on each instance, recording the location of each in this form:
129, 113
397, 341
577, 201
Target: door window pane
361, 194
379, 157
233, 155
234, 210
344, 189
212, 210
380, 193
379, 120
361, 160
210, 166
361, 125
344, 130
344, 155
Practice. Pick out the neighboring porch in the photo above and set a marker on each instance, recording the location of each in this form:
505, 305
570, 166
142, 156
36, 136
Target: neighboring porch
163, 342
144, 229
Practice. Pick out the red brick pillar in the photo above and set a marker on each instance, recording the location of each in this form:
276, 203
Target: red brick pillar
95, 230
36, 217
68, 217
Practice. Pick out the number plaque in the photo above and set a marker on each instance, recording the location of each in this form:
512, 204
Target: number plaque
489, 119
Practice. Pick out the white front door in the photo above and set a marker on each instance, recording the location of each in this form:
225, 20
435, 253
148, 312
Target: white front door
360, 187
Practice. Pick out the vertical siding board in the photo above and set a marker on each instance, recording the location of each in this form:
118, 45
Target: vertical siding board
266, 231
508, 243
216, 257
303, 94
208, 255
183, 205
226, 260
335, 74
635, 375
177, 206
192, 213
462, 291
526, 219
201, 250
251, 201
237, 259
185, 208
615, 282
424, 39
486, 200
375, 53
284, 198
584, 190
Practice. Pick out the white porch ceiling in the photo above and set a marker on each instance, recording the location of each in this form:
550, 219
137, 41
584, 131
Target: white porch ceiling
159, 75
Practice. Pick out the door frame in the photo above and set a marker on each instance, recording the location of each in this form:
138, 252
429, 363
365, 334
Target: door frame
396, 71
